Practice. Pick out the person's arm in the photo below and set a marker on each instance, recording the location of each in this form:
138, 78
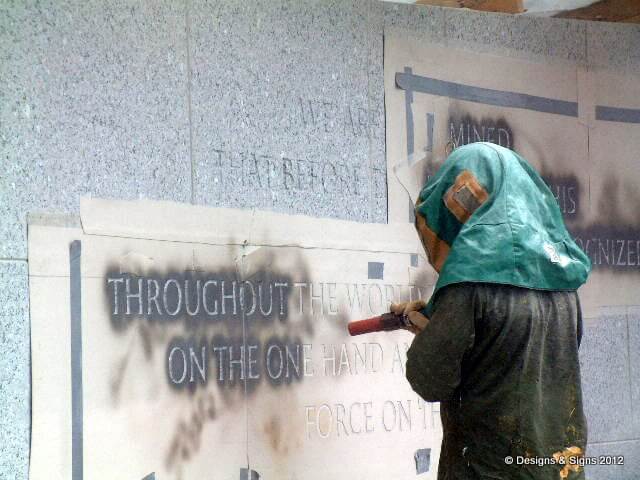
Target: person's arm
435, 356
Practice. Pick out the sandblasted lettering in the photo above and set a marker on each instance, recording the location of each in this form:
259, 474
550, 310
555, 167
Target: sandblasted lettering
137, 296
282, 173
339, 419
610, 252
467, 130
276, 359
172, 290
114, 284
218, 332
566, 196
197, 297
329, 116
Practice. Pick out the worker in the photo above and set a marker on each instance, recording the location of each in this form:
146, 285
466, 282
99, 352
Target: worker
497, 343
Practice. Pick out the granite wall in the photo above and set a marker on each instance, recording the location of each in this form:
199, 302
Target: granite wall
268, 104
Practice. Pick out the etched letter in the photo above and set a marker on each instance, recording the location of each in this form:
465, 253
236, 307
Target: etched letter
115, 282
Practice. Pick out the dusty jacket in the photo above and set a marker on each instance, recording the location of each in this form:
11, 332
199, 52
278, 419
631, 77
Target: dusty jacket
503, 360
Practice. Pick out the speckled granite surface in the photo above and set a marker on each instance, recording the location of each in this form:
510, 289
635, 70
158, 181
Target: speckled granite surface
93, 101
268, 104
15, 391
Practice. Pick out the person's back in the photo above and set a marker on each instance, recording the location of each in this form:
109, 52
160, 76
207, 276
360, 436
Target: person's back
497, 343
503, 361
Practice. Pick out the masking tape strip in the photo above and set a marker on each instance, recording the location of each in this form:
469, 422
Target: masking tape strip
416, 83
423, 460
247, 474
616, 114
375, 270
75, 280
408, 100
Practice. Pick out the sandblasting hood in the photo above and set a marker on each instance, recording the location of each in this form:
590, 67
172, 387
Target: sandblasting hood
487, 216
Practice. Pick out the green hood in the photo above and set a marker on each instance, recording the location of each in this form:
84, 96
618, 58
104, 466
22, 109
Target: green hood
487, 216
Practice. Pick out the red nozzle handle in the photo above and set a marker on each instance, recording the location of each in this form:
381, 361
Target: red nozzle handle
385, 322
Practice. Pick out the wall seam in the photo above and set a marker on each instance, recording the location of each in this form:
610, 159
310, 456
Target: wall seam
384, 114
609, 442
629, 370
587, 68
369, 116
189, 102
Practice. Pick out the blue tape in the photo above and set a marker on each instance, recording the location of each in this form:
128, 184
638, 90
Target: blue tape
416, 83
617, 114
408, 100
246, 474
423, 460
75, 279
430, 123
376, 270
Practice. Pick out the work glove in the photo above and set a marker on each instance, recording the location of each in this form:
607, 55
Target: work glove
412, 311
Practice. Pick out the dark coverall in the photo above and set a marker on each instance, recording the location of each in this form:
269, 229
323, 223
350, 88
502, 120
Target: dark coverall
503, 362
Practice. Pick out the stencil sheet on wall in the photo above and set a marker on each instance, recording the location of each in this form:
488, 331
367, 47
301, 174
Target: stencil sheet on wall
190, 342
579, 128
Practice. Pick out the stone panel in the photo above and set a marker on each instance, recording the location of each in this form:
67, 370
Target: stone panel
92, 101
15, 388
288, 109
634, 365
605, 376
604, 451
613, 46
